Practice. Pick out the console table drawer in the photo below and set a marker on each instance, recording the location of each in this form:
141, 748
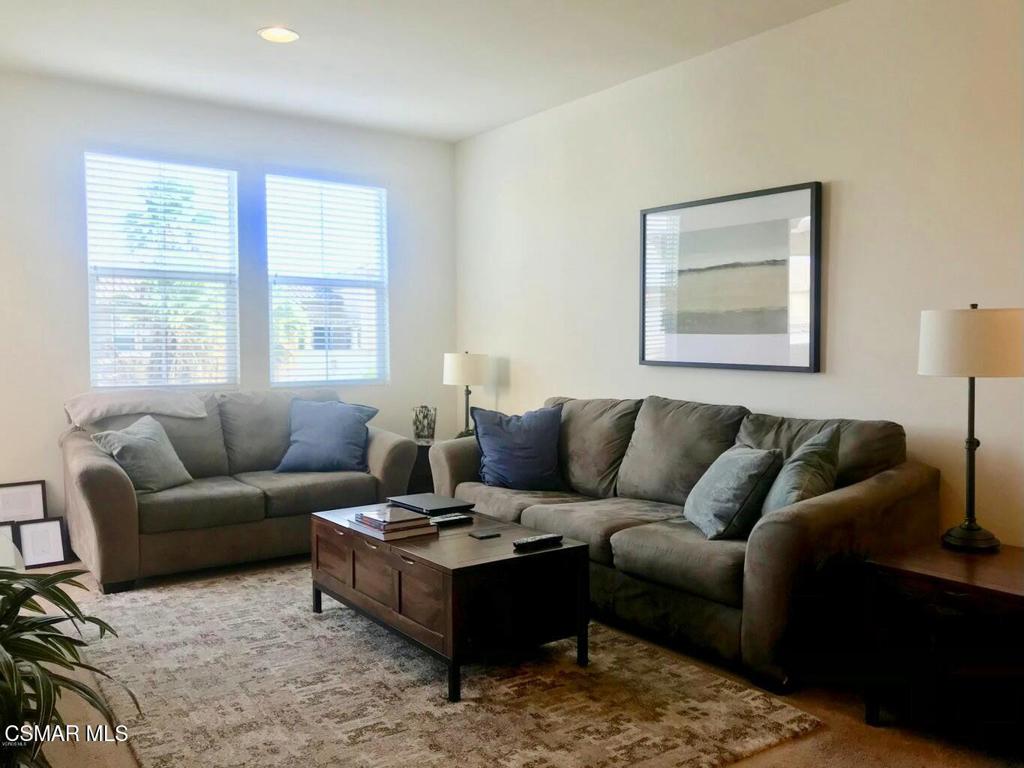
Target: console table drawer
373, 572
422, 594
333, 553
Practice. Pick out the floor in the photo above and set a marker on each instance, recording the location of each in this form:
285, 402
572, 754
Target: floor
845, 741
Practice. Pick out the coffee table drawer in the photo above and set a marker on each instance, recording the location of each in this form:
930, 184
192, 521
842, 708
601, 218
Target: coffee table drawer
422, 595
373, 573
333, 553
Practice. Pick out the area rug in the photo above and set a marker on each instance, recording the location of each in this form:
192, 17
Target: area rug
235, 670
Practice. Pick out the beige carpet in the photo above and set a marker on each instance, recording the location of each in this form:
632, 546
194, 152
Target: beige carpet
235, 670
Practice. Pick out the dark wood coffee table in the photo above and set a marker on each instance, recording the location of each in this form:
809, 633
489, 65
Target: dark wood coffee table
460, 598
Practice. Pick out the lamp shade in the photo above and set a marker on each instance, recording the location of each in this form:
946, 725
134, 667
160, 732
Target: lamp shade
971, 342
464, 368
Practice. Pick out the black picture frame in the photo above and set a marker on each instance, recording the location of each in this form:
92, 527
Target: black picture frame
814, 343
42, 497
64, 542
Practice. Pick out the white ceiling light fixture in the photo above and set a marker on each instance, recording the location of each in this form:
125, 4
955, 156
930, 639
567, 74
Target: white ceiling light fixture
278, 34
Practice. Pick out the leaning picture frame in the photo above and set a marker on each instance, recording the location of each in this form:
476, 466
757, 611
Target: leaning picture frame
733, 281
42, 542
22, 502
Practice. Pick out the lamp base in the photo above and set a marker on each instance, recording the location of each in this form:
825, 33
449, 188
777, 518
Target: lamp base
970, 537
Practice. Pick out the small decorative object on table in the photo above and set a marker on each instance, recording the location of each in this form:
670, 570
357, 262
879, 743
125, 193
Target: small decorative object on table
462, 368
424, 421
971, 343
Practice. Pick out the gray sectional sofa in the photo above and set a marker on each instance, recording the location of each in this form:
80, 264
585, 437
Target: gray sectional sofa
629, 466
236, 509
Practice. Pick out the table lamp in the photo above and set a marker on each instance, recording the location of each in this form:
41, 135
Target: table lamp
971, 343
462, 368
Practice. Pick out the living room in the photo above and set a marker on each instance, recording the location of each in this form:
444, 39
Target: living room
269, 265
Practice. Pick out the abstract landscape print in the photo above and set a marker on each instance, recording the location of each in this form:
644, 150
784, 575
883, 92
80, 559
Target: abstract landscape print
732, 282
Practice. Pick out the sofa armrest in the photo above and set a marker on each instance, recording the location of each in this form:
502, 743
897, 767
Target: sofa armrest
101, 510
892, 511
453, 462
390, 458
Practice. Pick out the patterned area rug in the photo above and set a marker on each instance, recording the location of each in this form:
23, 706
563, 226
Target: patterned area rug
237, 671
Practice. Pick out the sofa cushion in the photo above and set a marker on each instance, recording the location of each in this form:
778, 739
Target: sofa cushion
809, 471
596, 521
327, 437
507, 504
676, 554
204, 503
592, 442
673, 444
145, 454
199, 442
300, 493
519, 452
257, 426
726, 501
865, 447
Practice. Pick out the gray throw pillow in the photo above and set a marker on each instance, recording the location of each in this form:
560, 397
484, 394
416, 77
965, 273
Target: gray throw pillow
810, 471
145, 453
725, 503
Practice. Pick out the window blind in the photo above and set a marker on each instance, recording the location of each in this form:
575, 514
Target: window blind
163, 273
327, 269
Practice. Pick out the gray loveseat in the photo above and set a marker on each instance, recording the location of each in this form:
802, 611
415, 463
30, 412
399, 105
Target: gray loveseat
236, 509
629, 465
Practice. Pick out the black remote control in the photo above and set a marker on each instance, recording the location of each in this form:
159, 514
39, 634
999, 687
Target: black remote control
540, 541
484, 534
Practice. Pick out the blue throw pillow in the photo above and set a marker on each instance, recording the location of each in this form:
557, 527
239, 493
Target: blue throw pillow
519, 452
327, 437
810, 471
726, 501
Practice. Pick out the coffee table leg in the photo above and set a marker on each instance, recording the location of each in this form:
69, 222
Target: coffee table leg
583, 614
454, 681
317, 600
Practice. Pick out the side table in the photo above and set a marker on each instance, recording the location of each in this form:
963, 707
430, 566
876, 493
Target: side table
945, 628
421, 480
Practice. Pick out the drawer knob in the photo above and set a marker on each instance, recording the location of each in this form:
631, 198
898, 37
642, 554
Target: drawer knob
408, 561
370, 545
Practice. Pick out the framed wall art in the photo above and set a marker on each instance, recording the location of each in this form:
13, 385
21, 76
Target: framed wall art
733, 282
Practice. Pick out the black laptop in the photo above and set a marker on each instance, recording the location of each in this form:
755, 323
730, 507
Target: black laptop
431, 503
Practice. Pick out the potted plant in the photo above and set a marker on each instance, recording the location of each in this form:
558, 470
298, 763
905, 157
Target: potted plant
35, 656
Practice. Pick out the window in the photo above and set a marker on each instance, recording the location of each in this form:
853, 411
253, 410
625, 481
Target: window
163, 273
327, 267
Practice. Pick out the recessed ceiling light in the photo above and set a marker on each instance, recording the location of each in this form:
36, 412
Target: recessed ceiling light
278, 34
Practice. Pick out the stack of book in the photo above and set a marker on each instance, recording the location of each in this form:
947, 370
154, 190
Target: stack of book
387, 523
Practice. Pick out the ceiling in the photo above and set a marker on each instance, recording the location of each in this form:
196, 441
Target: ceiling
441, 68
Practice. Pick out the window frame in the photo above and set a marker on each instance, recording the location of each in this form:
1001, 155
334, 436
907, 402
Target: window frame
231, 279
380, 286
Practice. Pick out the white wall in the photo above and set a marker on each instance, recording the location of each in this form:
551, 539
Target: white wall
46, 125
910, 111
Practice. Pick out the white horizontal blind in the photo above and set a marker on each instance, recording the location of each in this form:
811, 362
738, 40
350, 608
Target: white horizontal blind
328, 274
163, 273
